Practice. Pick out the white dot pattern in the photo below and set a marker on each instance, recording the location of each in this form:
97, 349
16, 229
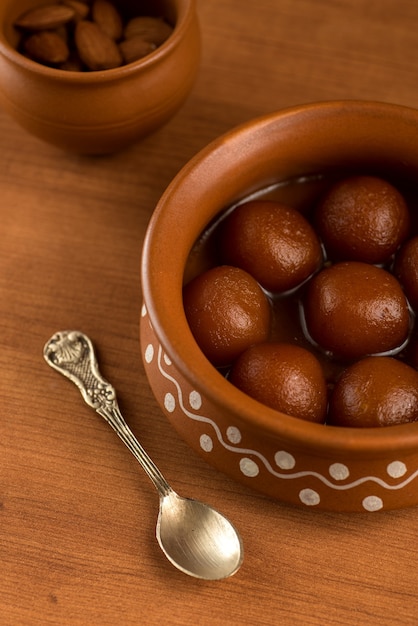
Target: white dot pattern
206, 443
249, 467
284, 460
195, 400
169, 402
372, 503
396, 469
233, 434
309, 497
149, 353
339, 471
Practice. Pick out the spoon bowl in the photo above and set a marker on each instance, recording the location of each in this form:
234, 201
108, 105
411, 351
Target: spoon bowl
195, 538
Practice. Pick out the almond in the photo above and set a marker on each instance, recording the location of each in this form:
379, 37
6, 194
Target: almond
73, 64
152, 29
81, 9
107, 17
63, 33
135, 48
46, 17
47, 47
96, 50
93, 33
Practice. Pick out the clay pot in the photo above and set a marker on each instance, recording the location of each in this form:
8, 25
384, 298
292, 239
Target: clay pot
104, 111
312, 465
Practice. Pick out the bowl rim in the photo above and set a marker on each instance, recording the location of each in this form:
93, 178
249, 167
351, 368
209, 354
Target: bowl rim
169, 323
186, 14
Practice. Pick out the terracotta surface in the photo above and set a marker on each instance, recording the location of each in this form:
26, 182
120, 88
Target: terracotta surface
295, 461
100, 112
77, 515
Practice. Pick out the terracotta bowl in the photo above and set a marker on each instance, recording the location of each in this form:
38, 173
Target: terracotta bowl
312, 465
103, 111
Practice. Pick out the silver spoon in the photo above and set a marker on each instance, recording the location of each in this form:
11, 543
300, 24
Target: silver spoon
195, 538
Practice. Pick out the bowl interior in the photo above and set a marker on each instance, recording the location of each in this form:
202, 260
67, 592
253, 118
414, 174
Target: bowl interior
324, 138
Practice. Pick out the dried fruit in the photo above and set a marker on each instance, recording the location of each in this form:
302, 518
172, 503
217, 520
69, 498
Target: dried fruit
72, 64
96, 49
46, 17
93, 32
135, 48
108, 18
48, 47
152, 29
81, 9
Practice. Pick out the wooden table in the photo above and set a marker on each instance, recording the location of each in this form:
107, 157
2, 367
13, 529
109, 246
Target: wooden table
77, 516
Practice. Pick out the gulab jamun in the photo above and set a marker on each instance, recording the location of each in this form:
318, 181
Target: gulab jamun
406, 270
227, 312
354, 309
376, 391
362, 218
275, 243
285, 377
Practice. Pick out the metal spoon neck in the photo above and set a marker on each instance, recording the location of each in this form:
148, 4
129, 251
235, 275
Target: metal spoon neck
115, 419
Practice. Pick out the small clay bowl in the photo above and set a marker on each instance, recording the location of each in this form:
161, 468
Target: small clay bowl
102, 111
312, 465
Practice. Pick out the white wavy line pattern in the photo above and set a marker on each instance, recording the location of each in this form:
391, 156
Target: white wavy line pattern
261, 457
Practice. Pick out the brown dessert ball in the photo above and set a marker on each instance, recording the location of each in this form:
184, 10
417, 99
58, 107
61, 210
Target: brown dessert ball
285, 377
376, 391
227, 312
362, 218
406, 270
355, 309
271, 241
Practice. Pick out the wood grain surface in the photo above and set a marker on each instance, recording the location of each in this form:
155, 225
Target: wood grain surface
77, 516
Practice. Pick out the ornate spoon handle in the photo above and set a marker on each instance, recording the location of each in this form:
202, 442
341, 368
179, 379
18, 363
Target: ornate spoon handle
71, 353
